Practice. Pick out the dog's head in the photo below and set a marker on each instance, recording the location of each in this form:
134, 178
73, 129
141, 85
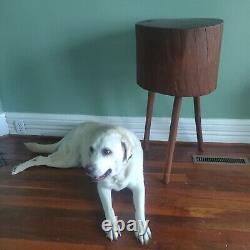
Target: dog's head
108, 154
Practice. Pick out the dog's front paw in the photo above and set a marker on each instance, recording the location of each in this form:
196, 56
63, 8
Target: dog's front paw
113, 234
112, 229
143, 234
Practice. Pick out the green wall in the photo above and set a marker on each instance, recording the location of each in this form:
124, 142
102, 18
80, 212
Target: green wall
1, 107
78, 56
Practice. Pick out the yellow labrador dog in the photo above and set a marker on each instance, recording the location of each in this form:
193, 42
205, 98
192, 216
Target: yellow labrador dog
112, 156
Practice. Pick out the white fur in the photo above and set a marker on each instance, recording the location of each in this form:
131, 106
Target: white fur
125, 161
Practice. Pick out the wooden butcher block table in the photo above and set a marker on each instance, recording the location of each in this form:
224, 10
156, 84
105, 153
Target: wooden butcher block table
177, 57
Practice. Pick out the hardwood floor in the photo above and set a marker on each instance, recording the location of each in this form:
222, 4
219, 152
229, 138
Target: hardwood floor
203, 207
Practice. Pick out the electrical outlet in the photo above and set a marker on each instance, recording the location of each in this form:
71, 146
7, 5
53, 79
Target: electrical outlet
20, 127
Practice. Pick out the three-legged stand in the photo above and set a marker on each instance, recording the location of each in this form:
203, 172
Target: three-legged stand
173, 129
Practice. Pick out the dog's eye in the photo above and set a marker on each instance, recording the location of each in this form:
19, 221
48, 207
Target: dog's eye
91, 150
106, 152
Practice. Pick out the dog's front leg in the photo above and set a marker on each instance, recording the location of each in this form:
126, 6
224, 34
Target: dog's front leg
106, 200
143, 233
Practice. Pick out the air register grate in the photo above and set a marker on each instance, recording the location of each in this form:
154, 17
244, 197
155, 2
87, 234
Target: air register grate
220, 160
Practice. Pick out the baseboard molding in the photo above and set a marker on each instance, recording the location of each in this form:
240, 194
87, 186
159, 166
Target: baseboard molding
214, 130
4, 130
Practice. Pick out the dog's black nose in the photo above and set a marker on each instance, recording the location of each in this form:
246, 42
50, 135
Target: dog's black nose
89, 169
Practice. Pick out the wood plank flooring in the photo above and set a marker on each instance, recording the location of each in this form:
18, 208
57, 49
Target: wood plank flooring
204, 207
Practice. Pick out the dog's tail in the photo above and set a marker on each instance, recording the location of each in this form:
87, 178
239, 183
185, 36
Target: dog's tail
42, 148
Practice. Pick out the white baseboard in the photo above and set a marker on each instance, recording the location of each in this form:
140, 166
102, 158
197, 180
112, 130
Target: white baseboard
214, 130
4, 130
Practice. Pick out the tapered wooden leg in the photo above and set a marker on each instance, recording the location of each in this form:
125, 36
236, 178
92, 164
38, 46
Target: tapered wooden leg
197, 111
151, 96
172, 138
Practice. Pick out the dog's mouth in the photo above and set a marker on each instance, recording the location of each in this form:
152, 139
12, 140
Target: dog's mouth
102, 177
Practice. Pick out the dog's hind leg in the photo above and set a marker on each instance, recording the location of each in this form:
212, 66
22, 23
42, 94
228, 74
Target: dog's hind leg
55, 160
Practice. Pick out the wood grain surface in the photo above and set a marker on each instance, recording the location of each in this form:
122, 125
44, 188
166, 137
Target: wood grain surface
204, 207
178, 57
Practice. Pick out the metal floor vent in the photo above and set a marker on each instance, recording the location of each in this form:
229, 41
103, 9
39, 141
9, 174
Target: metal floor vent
220, 160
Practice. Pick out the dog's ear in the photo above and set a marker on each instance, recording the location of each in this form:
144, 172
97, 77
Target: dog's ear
126, 149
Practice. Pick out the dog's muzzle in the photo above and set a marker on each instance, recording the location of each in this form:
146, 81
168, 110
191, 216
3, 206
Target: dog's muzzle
89, 172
